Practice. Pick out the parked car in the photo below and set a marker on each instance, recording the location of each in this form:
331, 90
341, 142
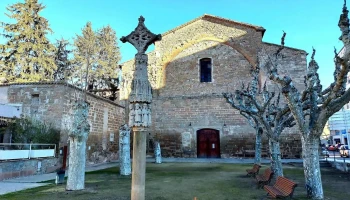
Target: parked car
344, 151
331, 148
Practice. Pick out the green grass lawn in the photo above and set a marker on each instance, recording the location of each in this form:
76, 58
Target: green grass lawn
205, 181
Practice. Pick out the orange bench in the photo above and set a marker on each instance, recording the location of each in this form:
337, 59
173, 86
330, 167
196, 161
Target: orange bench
283, 188
265, 178
254, 171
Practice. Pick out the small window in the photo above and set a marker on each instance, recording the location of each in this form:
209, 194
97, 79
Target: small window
205, 69
35, 99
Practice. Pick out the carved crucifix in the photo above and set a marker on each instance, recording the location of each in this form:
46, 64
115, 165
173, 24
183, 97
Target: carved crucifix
141, 93
141, 37
140, 99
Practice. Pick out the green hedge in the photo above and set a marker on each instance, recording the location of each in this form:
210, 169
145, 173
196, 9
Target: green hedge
26, 130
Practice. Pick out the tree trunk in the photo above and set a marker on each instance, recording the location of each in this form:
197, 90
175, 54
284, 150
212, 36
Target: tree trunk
275, 153
77, 138
76, 168
157, 153
312, 171
124, 150
258, 134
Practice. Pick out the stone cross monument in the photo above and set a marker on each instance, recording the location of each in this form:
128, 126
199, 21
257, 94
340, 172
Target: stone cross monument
140, 105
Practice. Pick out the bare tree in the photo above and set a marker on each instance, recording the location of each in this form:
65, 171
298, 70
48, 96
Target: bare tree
258, 134
322, 104
252, 119
266, 114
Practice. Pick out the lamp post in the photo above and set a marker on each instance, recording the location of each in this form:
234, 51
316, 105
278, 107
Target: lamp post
140, 100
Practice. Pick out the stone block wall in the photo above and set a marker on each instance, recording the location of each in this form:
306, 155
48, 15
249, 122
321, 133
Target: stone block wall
51, 102
178, 119
182, 75
19, 168
292, 62
41, 101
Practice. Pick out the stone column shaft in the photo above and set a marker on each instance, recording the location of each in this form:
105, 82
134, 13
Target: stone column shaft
138, 166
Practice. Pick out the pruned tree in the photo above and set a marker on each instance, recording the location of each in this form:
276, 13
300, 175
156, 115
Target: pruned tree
266, 112
27, 55
322, 104
258, 134
245, 106
63, 63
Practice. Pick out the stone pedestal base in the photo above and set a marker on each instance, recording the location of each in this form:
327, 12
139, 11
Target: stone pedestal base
138, 164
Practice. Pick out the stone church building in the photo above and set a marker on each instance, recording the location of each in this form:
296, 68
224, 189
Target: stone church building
189, 69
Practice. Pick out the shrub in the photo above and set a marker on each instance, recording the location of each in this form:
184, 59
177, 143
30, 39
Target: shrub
26, 130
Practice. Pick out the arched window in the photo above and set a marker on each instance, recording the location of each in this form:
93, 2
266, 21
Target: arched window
205, 68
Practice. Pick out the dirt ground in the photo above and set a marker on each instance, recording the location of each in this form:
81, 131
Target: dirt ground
180, 181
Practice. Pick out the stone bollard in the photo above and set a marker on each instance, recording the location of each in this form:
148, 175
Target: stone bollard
157, 153
124, 150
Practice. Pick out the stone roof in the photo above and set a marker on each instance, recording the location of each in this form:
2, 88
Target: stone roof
62, 83
220, 19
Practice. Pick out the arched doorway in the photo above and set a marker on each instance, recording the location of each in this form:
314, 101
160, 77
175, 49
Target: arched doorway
208, 143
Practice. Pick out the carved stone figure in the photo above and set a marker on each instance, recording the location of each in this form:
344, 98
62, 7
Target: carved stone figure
145, 113
149, 123
131, 115
138, 115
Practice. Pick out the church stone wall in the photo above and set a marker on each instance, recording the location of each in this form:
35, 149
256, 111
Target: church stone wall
186, 105
182, 104
229, 69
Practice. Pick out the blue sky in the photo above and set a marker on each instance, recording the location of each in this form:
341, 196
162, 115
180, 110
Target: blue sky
308, 23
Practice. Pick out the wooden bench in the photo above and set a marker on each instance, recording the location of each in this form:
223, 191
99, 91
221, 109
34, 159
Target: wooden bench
254, 171
265, 178
283, 188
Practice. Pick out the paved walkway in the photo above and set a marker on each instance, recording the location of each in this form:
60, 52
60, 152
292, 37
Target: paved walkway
22, 183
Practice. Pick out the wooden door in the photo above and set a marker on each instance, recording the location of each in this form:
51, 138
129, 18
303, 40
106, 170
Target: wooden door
208, 143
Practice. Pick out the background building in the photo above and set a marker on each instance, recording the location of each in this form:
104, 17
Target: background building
190, 68
51, 103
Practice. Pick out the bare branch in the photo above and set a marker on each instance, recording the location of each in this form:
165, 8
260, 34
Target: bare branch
282, 44
240, 106
252, 120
